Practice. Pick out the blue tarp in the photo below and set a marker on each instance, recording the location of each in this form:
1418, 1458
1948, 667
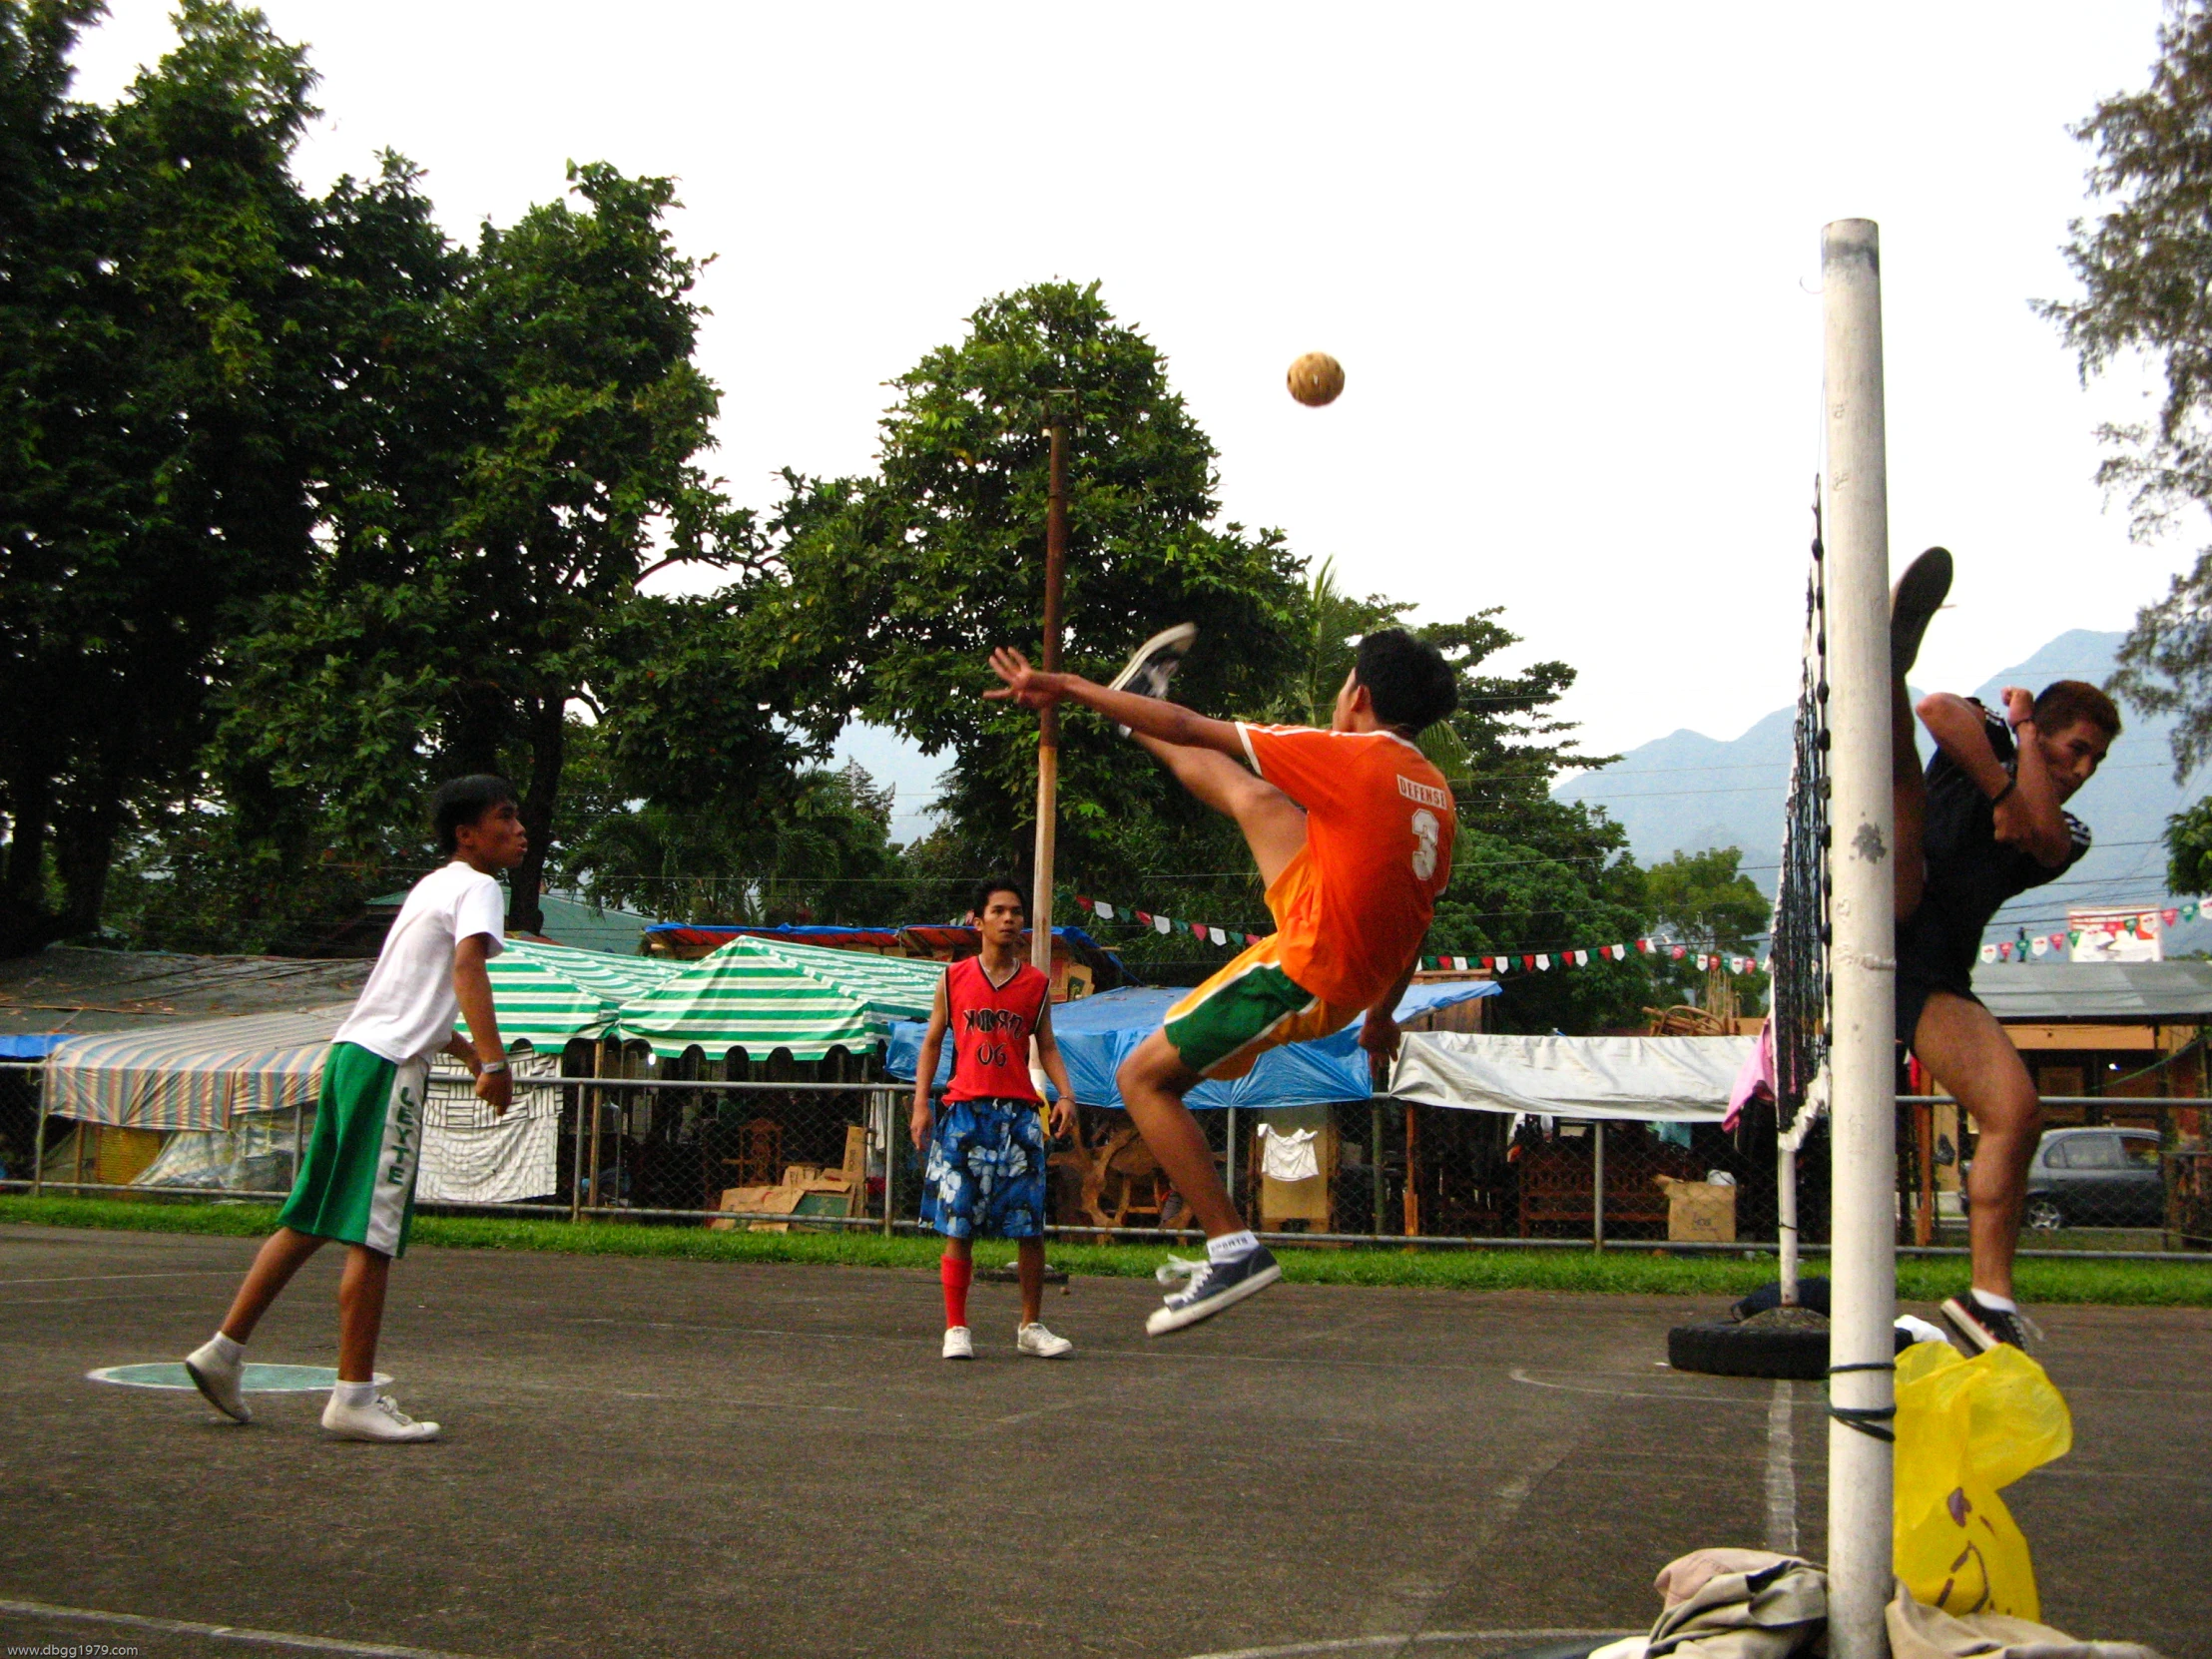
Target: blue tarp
31, 1047
1096, 1034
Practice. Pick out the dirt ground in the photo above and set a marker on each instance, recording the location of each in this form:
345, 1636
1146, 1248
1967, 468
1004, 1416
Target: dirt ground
668, 1457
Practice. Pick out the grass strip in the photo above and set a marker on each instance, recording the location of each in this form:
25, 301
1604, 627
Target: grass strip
1627, 1270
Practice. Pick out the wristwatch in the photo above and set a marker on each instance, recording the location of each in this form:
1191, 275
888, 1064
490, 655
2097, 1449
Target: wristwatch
491, 1065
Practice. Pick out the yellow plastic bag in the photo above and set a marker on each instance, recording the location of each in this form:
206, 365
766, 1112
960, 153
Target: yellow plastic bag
1966, 1428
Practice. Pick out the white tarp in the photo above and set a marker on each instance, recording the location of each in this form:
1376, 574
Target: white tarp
1685, 1079
470, 1156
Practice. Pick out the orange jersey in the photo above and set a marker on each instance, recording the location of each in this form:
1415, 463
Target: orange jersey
1353, 908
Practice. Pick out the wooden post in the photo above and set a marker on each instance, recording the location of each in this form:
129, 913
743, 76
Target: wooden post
1413, 1176
1048, 720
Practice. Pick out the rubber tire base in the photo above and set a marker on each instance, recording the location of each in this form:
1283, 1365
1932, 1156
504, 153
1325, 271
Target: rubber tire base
1723, 1347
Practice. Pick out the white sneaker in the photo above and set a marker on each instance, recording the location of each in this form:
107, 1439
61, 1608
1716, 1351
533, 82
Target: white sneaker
222, 1380
1036, 1341
1148, 672
381, 1419
959, 1344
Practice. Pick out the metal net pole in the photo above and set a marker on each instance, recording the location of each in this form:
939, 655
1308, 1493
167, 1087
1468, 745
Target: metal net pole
1863, 1038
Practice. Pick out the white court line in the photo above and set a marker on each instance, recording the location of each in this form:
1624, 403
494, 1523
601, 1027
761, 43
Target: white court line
1782, 1528
1367, 1644
223, 1632
87, 1278
1520, 1374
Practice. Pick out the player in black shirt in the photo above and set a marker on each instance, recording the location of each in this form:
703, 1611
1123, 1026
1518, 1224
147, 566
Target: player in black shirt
1982, 826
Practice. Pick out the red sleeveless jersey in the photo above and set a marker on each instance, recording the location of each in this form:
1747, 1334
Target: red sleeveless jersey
989, 1027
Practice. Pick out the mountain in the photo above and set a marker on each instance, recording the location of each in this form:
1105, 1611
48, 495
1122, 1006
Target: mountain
1687, 791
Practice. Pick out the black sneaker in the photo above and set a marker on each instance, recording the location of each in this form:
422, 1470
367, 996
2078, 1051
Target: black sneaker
1983, 1326
1212, 1285
1913, 602
1149, 671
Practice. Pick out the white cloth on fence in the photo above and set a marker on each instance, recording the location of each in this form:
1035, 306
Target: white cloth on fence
470, 1156
1289, 1155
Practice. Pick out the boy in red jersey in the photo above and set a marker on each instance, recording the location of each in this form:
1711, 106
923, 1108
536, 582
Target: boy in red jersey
1351, 828
986, 1155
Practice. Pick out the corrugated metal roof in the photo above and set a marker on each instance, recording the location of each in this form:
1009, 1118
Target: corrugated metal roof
2111, 992
68, 990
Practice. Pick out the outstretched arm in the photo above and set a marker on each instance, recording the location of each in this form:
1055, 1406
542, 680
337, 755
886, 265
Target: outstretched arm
1155, 718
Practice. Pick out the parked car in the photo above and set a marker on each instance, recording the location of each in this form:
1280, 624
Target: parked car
2093, 1178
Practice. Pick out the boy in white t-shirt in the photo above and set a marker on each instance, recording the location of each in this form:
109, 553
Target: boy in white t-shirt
356, 1182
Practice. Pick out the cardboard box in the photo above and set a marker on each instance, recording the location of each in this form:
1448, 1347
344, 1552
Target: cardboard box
1699, 1212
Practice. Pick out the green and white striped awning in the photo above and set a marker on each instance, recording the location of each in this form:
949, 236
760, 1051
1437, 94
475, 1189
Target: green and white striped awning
546, 994
892, 988
193, 1076
747, 995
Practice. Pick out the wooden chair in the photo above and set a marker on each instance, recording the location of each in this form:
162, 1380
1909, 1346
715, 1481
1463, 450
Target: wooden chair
759, 1159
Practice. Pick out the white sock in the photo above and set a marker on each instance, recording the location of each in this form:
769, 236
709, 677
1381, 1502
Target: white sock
2000, 1303
1231, 1247
354, 1393
226, 1349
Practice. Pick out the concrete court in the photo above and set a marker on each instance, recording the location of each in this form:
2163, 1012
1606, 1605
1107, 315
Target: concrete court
670, 1458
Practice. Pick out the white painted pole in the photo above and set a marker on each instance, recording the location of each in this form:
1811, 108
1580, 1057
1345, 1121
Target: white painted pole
1786, 1226
1862, 1041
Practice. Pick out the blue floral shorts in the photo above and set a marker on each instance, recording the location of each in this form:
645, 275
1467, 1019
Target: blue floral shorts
985, 1175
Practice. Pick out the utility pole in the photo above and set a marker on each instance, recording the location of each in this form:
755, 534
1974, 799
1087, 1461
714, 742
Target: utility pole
1048, 720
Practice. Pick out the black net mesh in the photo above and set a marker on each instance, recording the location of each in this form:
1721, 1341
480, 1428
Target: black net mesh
1800, 963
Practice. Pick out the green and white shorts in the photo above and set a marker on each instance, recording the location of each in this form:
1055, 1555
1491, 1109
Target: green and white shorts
357, 1181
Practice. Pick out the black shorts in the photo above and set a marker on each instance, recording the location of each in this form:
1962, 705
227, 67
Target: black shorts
1915, 988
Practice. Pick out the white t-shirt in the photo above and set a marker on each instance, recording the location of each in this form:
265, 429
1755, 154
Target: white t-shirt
407, 1009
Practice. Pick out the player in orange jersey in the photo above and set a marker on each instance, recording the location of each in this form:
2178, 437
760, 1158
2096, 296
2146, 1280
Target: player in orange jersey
1351, 828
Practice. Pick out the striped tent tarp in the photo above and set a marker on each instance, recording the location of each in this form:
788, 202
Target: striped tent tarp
749, 997
546, 994
894, 987
196, 1076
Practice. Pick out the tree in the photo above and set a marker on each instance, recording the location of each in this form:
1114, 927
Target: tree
894, 588
2141, 265
457, 616
165, 343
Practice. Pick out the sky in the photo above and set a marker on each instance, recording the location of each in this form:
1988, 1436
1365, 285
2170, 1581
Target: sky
1567, 256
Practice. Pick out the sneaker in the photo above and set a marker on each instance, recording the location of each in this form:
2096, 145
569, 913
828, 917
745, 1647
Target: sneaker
1913, 602
1147, 673
959, 1344
1211, 1287
381, 1419
1037, 1341
222, 1380
1981, 1326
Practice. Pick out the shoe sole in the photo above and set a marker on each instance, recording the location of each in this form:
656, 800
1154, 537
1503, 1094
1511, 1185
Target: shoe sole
1918, 595
1182, 635
379, 1440
1164, 1319
238, 1413
1969, 1329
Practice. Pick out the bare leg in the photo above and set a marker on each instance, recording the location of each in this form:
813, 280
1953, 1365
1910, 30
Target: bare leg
961, 1250
1029, 1254
360, 1311
1967, 1050
1909, 792
1273, 825
1152, 1082
281, 1255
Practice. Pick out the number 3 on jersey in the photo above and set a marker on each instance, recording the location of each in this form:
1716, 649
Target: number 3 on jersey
1426, 833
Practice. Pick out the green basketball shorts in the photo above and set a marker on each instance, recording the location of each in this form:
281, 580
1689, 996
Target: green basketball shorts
357, 1181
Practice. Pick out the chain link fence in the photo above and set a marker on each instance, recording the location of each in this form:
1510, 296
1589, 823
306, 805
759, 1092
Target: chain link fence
825, 1146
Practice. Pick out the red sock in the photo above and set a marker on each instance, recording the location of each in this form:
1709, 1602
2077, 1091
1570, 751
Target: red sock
955, 1275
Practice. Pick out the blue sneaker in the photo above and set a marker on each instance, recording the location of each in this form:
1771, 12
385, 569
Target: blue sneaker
1210, 1287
